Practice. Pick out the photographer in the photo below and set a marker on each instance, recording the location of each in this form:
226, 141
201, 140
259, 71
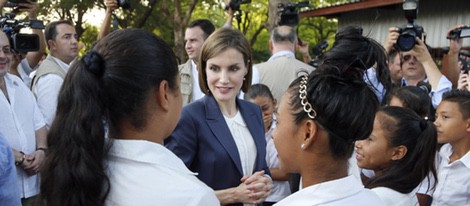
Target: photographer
450, 66
111, 5
417, 65
24, 63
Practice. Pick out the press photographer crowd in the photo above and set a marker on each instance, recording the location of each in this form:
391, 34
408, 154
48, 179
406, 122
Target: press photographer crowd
357, 122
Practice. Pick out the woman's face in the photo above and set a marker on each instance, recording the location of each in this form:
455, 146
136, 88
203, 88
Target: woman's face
375, 152
225, 74
285, 136
267, 106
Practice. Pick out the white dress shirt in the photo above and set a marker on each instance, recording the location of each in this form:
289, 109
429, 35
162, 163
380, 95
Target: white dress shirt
147, 173
453, 185
20, 118
345, 191
393, 198
47, 90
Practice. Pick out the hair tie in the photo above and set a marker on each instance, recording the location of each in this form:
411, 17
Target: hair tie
423, 124
94, 63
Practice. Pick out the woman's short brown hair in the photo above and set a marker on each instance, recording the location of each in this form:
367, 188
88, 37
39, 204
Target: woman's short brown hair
221, 40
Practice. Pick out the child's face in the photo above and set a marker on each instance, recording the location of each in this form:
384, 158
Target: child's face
450, 124
375, 152
287, 136
267, 108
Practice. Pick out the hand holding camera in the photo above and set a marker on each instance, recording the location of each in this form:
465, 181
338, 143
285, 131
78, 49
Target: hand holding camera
409, 32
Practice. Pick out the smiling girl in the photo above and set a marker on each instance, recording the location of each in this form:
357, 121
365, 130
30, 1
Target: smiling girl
401, 151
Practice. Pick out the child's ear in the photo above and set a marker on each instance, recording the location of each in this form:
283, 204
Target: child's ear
467, 125
399, 152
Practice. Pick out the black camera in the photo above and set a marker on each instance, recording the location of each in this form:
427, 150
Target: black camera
289, 13
20, 42
125, 4
235, 4
464, 58
411, 30
16, 3
458, 33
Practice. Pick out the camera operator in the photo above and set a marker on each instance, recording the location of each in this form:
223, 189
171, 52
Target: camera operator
24, 63
111, 5
417, 65
450, 66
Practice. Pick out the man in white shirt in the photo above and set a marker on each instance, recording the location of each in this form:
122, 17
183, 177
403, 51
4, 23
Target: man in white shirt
195, 35
23, 126
62, 42
23, 63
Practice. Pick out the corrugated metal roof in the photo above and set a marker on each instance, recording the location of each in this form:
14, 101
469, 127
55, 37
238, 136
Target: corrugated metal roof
435, 16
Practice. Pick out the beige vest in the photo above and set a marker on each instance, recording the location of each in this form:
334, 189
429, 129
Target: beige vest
48, 66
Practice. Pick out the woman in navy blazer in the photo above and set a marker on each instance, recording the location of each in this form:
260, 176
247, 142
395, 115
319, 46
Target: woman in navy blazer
220, 136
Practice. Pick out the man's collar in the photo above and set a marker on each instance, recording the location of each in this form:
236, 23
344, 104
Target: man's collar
282, 53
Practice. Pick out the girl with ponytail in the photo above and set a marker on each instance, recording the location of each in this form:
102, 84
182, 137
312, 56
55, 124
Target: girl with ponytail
116, 106
401, 152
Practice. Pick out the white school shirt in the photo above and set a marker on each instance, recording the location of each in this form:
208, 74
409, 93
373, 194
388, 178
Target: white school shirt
146, 173
47, 90
394, 198
453, 185
339, 192
20, 118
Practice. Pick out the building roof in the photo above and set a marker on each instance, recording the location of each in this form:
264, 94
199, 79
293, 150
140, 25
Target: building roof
353, 5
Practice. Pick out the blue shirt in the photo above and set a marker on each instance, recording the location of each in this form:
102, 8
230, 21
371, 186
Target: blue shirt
9, 195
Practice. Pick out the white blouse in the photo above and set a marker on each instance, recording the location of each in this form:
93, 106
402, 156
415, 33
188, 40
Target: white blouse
244, 141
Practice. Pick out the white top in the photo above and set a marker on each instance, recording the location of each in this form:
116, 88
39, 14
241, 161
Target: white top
394, 198
453, 185
345, 191
147, 173
197, 93
281, 189
19, 121
47, 90
25, 70
244, 141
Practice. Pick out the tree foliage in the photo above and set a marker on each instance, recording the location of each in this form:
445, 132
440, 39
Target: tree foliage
169, 19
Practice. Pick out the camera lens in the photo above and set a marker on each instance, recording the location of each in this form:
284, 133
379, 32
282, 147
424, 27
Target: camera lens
406, 40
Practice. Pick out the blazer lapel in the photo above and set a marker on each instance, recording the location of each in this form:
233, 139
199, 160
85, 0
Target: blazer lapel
219, 127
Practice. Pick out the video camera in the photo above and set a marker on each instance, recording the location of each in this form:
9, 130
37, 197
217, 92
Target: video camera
125, 4
235, 4
317, 51
16, 3
464, 58
411, 30
20, 42
289, 13
458, 33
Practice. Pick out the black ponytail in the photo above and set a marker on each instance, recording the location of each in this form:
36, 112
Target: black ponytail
106, 87
77, 136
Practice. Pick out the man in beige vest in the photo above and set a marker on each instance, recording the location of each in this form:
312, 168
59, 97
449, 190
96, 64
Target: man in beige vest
282, 68
62, 40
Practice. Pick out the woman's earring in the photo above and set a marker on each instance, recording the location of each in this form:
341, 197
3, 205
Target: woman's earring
302, 146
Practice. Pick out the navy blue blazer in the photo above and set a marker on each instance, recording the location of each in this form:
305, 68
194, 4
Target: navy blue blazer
203, 141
